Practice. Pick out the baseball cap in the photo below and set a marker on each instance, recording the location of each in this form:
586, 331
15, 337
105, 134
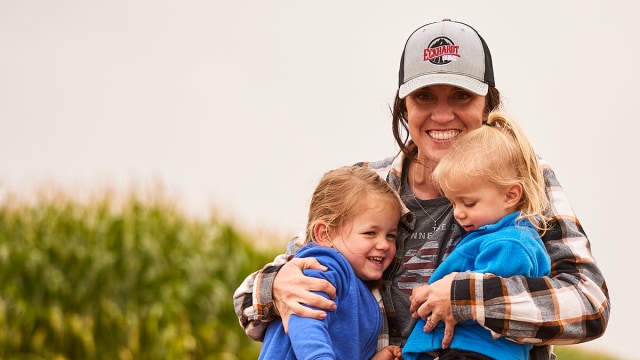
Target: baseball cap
445, 52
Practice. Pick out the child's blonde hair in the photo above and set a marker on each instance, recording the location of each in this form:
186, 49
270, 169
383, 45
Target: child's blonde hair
499, 152
341, 194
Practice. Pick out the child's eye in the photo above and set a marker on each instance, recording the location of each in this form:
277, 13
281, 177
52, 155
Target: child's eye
392, 237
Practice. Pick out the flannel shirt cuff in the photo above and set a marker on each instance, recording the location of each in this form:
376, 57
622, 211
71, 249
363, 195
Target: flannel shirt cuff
263, 294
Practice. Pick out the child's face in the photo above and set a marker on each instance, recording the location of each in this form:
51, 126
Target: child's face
477, 202
368, 241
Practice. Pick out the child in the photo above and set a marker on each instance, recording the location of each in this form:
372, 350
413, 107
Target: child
351, 229
493, 179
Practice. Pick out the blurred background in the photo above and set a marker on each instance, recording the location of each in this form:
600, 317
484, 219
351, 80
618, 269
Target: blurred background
237, 108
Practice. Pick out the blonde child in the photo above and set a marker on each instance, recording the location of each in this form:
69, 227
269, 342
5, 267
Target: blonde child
351, 229
493, 179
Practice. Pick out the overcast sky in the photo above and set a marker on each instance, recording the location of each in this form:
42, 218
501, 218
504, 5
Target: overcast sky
241, 106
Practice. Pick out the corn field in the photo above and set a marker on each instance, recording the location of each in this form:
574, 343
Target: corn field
89, 281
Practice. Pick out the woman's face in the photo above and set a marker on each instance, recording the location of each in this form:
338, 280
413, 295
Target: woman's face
438, 114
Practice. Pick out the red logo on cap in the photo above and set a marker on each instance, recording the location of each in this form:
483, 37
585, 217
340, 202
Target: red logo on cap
441, 51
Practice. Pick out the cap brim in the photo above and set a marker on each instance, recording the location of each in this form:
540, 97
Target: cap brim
465, 82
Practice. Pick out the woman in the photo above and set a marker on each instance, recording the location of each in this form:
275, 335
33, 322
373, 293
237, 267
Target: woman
446, 88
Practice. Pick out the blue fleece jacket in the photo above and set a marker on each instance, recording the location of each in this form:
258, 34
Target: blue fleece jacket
349, 332
504, 249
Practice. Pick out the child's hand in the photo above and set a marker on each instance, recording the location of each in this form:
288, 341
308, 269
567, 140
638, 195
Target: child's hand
390, 352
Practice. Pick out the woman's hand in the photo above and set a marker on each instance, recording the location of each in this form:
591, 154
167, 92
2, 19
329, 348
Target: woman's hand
292, 289
390, 352
432, 303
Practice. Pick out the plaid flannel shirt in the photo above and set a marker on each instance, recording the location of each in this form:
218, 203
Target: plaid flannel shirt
569, 307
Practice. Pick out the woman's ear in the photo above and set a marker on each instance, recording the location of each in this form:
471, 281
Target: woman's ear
321, 234
513, 195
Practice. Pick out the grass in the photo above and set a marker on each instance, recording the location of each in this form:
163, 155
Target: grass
569, 352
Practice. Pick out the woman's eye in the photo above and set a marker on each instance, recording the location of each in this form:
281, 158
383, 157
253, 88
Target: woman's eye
461, 95
423, 95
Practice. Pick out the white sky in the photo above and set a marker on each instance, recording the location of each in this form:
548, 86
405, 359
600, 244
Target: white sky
242, 105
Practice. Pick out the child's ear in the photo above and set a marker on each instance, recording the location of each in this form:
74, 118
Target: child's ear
513, 195
321, 234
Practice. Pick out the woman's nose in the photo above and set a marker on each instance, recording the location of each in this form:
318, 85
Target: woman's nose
442, 111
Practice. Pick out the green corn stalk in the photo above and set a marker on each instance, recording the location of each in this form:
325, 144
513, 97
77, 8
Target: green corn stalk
138, 281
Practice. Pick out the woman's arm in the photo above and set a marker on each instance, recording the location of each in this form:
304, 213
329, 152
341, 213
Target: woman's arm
253, 314
255, 300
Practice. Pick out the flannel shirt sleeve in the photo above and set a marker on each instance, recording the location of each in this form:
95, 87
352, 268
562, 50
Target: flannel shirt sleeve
253, 299
568, 307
